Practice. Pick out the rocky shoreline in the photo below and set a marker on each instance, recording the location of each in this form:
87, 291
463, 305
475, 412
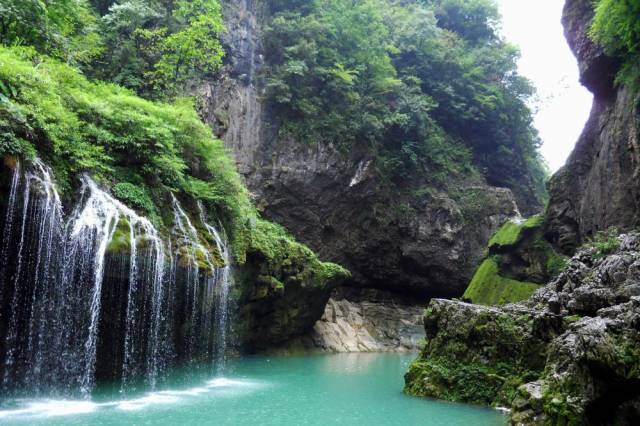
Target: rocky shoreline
568, 355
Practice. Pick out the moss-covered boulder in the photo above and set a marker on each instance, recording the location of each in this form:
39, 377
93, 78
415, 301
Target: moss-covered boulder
479, 354
519, 259
488, 287
284, 288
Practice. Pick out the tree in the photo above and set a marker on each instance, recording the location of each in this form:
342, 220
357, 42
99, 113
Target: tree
155, 46
65, 29
194, 50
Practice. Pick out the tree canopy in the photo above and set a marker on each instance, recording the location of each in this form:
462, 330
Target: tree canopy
428, 86
151, 46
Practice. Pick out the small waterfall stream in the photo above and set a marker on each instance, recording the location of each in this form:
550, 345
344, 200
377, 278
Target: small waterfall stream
223, 282
97, 295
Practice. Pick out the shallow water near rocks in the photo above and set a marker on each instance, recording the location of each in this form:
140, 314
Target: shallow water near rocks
342, 389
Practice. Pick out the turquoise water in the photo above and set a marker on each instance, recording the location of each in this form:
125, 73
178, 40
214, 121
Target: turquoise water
344, 389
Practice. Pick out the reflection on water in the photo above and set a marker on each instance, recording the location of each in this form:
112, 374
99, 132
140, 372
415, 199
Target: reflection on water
350, 363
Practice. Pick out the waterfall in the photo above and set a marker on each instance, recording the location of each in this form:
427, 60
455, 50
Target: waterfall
100, 294
8, 227
223, 284
92, 230
30, 284
191, 254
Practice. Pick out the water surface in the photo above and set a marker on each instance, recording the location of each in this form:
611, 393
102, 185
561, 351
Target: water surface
343, 389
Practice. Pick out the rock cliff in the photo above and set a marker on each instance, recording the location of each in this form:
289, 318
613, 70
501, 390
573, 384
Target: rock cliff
568, 355
597, 188
425, 245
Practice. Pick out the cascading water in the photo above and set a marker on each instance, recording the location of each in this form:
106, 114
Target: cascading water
92, 231
223, 280
98, 295
28, 285
192, 255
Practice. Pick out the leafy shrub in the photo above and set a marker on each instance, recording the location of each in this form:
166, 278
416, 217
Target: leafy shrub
617, 28
107, 130
135, 196
155, 47
66, 29
604, 242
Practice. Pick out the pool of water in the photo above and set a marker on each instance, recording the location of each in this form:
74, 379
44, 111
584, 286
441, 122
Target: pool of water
343, 389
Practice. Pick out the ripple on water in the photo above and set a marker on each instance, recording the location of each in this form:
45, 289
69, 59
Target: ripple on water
65, 407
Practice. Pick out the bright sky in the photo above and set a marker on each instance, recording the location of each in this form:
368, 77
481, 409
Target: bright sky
563, 105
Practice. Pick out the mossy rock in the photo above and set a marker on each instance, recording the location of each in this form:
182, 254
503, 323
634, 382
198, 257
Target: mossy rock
511, 232
121, 241
489, 288
518, 261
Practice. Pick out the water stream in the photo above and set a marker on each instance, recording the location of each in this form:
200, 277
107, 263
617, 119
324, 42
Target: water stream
96, 294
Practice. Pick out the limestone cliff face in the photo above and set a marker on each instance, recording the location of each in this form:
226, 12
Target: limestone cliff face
598, 186
425, 245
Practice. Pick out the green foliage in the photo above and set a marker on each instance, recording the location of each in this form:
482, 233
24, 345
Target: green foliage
474, 20
604, 242
155, 47
66, 29
143, 150
617, 28
134, 196
489, 288
424, 86
472, 382
193, 50
555, 264
104, 129
290, 260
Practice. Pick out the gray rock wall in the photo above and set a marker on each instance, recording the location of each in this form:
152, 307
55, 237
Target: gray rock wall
598, 187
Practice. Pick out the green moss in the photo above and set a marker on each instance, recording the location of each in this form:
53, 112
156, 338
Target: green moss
289, 260
121, 241
489, 288
477, 383
570, 319
510, 233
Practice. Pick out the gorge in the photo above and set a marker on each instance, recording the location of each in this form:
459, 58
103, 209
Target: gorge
210, 210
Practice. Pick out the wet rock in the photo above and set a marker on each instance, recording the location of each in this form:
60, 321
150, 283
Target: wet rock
568, 355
